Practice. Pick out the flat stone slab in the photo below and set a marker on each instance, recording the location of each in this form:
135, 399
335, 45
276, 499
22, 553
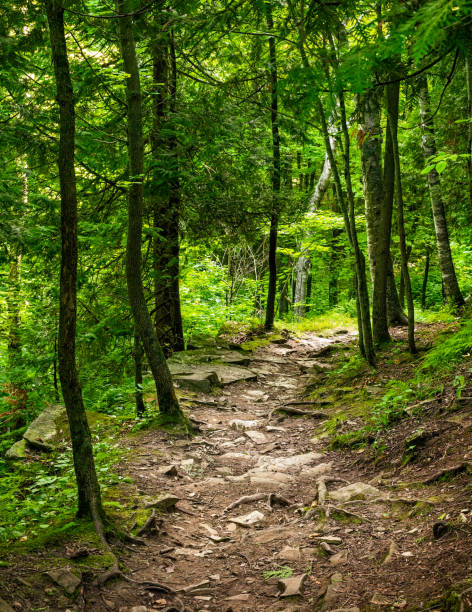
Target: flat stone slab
200, 380
227, 375
356, 490
44, 429
248, 520
256, 436
286, 464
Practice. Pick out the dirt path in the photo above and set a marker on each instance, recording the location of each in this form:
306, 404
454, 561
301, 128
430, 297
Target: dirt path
328, 524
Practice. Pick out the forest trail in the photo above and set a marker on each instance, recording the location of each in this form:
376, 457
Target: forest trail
331, 528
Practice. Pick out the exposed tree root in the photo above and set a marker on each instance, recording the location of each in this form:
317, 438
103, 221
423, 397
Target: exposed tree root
272, 500
297, 411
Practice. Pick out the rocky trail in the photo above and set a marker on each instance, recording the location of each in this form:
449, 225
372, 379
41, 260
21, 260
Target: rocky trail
257, 513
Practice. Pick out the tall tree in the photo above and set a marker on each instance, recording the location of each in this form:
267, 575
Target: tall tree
376, 210
451, 289
89, 499
168, 404
274, 217
165, 197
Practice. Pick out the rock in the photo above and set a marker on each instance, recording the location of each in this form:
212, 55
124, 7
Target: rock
198, 381
292, 586
169, 470
328, 539
392, 551
239, 597
286, 464
271, 534
380, 600
272, 428
333, 591
241, 425
228, 375
355, 609
43, 431
339, 558
248, 520
319, 470
17, 451
327, 548
256, 436
65, 579
271, 479
356, 490
163, 502
289, 554
192, 588
4, 607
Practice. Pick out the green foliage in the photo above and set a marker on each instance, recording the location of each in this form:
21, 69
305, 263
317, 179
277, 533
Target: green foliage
283, 572
41, 495
449, 350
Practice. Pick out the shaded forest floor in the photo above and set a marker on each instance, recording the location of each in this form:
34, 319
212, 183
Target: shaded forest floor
363, 503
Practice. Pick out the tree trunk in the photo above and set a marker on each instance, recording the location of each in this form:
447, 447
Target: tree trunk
393, 92
302, 270
377, 211
365, 331
468, 72
315, 201
168, 404
89, 500
395, 314
166, 200
13, 307
425, 279
138, 375
452, 292
274, 221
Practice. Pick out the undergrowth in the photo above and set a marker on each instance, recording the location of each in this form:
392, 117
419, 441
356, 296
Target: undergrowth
406, 397
38, 497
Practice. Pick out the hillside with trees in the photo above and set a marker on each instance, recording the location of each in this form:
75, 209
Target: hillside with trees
236, 275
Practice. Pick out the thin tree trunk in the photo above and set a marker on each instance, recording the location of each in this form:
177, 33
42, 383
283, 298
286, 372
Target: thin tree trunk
349, 221
168, 404
13, 307
468, 72
425, 279
395, 314
89, 500
302, 271
316, 198
452, 292
393, 92
138, 375
274, 221
377, 211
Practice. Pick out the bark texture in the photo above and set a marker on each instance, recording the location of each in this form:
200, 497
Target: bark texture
274, 220
377, 213
393, 92
452, 293
166, 198
168, 404
89, 501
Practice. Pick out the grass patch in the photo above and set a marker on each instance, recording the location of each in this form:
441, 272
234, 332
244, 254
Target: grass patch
321, 324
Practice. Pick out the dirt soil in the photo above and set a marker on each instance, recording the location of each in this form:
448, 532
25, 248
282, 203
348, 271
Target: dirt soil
399, 537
